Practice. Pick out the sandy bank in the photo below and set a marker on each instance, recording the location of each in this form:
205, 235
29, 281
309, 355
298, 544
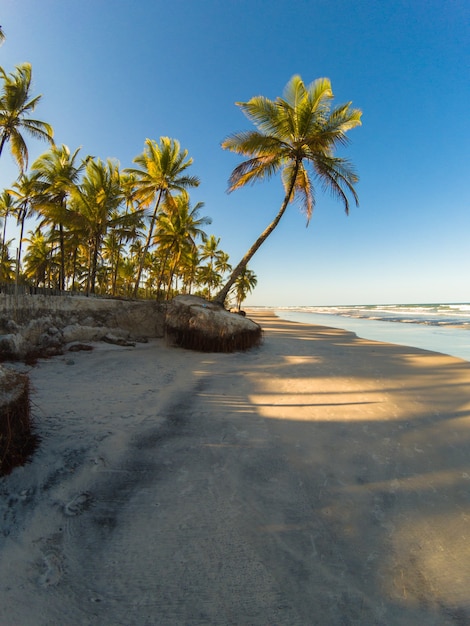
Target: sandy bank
319, 479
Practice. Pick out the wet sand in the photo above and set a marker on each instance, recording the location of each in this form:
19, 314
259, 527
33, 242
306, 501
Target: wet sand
319, 479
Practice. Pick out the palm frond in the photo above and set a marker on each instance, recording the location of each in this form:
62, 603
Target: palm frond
252, 143
338, 177
258, 168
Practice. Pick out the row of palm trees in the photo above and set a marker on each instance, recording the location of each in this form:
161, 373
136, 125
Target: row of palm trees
100, 229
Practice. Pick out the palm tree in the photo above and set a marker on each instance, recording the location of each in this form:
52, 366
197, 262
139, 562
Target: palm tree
189, 266
7, 207
245, 283
162, 171
24, 190
211, 273
96, 201
37, 258
179, 227
57, 174
125, 233
7, 272
222, 264
16, 105
295, 134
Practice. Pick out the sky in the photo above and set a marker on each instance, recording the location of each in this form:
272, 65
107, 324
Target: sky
113, 73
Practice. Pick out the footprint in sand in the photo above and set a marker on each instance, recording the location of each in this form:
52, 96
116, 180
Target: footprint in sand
52, 570
78, 504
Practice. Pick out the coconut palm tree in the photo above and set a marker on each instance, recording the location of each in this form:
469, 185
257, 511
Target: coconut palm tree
245, 283
179, 227
57, 174
126, 232
222, 264
16, 105
189, 266
7, 207
217, 264
7, 272
24, 191
296, 135
162, 171
37, 258
95, 203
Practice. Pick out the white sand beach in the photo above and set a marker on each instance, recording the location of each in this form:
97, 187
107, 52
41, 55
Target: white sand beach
319, 479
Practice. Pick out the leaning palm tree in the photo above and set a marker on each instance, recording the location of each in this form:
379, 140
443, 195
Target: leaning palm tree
296, 135
16, 105
162, 171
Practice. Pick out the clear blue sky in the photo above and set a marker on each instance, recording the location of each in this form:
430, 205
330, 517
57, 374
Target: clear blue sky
113, 73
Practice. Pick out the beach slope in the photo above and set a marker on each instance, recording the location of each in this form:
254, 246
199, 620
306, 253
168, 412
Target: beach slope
318, 479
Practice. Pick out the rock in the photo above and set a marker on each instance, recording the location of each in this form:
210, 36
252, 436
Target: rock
198, 324
118, 341
78, 347
35, 326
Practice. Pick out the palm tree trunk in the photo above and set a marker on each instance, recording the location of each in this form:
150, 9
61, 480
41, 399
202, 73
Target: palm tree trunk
116, 268
2, 143
62, 258
2, 278
18, 257
172, 273
161, 274
220, 297
147, 243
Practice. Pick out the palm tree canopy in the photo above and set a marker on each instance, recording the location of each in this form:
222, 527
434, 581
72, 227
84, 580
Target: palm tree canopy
57, 170
16, 106
297, 134
162, 169
98, 197
180, 225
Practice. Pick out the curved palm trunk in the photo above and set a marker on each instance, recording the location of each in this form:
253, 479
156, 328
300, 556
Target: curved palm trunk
220, 297
2, 143
147, 243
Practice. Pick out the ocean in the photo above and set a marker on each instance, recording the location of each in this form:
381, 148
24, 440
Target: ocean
440, 327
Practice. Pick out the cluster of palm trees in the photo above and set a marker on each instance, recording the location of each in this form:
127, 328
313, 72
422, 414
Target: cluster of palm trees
99, 229
134, 232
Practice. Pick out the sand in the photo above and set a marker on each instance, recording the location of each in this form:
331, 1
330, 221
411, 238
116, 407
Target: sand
319, 479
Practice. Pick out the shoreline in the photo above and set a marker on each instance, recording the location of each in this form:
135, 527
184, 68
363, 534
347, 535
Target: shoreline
443, 339
319, 478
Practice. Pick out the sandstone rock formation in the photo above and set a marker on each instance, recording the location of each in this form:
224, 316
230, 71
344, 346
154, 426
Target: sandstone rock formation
195, 323
32, 326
